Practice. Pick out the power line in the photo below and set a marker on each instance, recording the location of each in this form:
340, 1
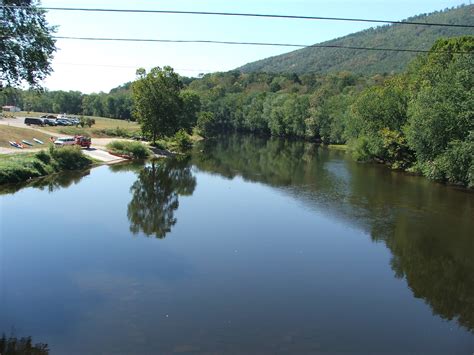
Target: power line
210, 13
258, 44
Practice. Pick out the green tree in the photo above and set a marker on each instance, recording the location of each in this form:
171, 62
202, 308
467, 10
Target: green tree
157, 101
441, 122
190, 109
26, 43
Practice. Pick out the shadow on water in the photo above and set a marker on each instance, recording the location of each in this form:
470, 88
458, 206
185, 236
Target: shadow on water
155, 196
426, 226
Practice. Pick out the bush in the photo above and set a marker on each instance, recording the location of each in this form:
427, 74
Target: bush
86, 121
181, 140
43, 156
160, 144
395, 149
367, 149
69, 158
135, 150
23, 167
455, 165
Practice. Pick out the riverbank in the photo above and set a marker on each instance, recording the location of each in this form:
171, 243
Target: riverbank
23, 167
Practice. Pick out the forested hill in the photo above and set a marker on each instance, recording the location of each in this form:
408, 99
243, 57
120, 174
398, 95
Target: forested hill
324, 60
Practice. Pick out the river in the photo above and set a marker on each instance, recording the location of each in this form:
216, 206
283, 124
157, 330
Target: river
250, 245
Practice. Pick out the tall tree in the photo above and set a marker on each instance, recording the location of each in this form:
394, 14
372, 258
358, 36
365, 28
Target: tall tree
26, 43
157, 101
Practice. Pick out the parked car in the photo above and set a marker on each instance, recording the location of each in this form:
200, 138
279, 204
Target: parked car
62, 141
34, 121
48, 116
63, 122
50, 121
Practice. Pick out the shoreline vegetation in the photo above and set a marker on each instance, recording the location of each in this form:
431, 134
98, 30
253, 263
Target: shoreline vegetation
16, 168
23, 166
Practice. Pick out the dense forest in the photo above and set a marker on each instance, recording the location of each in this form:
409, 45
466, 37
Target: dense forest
421, 120
326, 60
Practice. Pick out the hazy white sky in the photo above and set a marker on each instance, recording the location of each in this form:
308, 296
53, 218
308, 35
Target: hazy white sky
99, 66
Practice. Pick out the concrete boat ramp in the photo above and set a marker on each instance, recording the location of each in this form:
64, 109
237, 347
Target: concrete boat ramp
102, 155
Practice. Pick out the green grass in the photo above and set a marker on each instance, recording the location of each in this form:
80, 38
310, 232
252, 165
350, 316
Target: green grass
134, 150
10, 133
22, 167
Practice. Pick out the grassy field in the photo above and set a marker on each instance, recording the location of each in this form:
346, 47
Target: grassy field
10, 133
103, 127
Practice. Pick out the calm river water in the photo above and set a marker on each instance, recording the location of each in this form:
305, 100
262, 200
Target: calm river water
249, 246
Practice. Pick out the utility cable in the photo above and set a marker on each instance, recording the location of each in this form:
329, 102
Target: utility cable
211, 13
258, 44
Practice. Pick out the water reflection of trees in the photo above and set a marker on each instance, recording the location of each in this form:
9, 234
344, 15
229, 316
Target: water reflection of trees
21, 346
426, 226
50, 183
155, 196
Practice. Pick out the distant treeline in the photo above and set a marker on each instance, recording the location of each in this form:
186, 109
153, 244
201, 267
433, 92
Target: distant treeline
116, 104
421, 120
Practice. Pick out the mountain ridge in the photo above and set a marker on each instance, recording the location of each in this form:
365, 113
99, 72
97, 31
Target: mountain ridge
325, 60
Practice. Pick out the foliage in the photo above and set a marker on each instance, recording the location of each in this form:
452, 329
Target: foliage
86, 121
206, 124
135, 150
157, 100
181, 140
22, 167
455, 164
68, 158
421, 120
331, 60
26, 43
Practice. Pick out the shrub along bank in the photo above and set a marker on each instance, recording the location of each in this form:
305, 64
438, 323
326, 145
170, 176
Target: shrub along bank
22, 167
132, 150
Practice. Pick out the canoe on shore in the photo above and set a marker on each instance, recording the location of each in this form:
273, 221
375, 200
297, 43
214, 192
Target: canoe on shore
38, 141
27, 142
16, 144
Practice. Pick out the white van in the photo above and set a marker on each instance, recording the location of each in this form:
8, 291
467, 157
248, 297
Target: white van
64, 141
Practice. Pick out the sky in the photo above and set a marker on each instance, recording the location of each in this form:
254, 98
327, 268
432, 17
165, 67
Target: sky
90, 66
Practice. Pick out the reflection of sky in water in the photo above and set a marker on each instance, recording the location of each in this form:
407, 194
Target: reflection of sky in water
246, 268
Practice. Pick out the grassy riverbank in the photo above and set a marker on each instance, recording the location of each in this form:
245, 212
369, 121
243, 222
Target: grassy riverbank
129, 149
22, 167
17, 134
